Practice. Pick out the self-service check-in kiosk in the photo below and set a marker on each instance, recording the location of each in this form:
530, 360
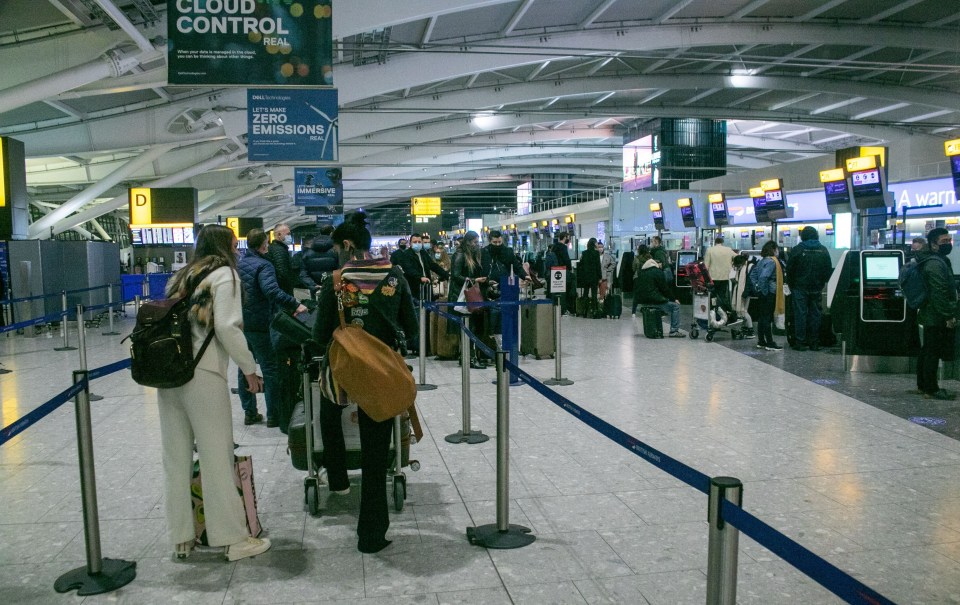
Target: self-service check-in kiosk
869, 312
681, 280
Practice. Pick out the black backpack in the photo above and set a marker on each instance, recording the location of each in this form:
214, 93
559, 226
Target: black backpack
161, 344
912, 284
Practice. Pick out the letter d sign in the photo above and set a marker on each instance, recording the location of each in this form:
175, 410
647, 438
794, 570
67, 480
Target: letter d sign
140, 207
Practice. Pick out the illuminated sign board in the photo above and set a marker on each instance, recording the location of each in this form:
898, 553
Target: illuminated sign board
425, 206
775, 200
718, 206
242, 225
759, 197
638, 165
952, 148
656, 209
163, 207
836, 191
867, 182
686, 212
3, 177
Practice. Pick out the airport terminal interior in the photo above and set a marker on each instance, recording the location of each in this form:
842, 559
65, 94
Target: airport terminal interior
125, 125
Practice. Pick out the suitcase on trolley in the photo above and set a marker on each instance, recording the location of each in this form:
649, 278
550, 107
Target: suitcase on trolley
536, 331
444, 346
652, 324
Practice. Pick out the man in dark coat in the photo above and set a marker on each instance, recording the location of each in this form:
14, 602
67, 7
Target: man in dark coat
278, 252
417, 262
401, 247
559, 249
938, 314
502, 259
808, 270
262, 298
319, 260
651, 289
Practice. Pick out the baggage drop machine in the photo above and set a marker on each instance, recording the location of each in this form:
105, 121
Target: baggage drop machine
869, 312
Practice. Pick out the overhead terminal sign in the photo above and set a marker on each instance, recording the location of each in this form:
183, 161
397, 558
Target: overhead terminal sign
425, 206
292, 125
318, 187
250, 42
163, 207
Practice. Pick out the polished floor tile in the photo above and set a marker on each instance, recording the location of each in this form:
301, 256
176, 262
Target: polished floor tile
871, 492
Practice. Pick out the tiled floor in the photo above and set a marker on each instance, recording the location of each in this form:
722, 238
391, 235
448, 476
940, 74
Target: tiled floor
873, 493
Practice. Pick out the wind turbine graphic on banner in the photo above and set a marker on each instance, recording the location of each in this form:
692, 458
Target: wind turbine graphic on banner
331, 130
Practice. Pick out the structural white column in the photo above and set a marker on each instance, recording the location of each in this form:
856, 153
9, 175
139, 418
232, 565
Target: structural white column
167, 181
110, 65
40, 229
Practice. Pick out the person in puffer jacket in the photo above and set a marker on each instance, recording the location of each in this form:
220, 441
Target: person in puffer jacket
319, 260
262, 298
651, 289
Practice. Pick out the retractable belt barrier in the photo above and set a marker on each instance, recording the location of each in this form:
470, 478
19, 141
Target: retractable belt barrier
32, 322
37, 414
810, 564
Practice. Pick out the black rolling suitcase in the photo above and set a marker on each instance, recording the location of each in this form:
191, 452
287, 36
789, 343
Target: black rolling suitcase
652, 324
613, 305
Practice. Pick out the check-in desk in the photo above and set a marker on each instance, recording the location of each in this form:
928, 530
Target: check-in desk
869, 312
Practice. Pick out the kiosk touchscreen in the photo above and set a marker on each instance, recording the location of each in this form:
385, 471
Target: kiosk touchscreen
880, 297
684, 258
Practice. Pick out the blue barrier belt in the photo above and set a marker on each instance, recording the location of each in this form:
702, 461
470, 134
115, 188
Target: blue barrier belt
491, 303
816, 567
18, 426
672, 466
31, 322
29, 298
109, 369
98, 307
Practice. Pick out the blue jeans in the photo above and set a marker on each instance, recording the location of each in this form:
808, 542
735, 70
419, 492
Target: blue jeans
806, 316
671, 308
262, 349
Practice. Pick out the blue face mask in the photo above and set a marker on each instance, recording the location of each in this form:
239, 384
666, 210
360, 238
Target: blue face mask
417, 247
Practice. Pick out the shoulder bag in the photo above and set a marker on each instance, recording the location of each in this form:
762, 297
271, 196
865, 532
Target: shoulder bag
369, 371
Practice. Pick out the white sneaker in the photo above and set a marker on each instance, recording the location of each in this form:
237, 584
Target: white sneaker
633, 315
248, 547
678, 334
182, 551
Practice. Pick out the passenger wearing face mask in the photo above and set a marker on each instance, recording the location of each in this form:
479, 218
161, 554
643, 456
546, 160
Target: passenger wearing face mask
278, 253
502, 259
938, 314
440, 257
417, 264
401, 247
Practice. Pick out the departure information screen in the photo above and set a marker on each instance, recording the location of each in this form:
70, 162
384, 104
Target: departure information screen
837, 193
161, 236
866, 183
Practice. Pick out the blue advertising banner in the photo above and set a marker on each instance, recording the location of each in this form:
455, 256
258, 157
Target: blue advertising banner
292, 125
250, 42
318, 187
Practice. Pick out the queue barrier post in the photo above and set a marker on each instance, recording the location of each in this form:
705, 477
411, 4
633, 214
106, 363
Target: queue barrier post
82, 338
64, 328
136, 303
723, 542
423, 385
110, 331
502, 535
465, 434
558, 380
99, 575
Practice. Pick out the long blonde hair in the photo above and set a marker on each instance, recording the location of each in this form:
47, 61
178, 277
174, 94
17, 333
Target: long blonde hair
471, 254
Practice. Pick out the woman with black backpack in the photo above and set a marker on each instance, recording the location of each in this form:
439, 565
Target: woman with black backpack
200, 410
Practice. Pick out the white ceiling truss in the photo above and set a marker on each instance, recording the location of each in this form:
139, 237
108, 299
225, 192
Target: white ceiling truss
484, 93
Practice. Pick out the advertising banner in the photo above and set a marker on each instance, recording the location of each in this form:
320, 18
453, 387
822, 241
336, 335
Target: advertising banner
317, 187
292, 125
250, 42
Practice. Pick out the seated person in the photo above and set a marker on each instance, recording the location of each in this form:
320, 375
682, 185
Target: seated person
651, 289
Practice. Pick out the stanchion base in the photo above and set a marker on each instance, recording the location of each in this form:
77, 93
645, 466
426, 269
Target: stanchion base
115, 574
558, 382
95, 397
5, 371
471, 438
426, 387
516, 536
65, 348
512, 383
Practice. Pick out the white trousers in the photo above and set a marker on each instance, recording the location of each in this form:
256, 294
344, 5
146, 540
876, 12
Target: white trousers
200, 410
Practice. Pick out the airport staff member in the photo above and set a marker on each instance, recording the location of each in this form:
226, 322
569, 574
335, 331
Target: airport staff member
938, 313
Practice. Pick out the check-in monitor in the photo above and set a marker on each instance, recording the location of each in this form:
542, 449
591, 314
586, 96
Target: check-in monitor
881, 268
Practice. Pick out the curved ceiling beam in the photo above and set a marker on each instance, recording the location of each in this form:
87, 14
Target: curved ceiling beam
359, 16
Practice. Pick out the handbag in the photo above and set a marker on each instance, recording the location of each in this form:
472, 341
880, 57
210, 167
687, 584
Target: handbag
369, 372
470, 294
243, 479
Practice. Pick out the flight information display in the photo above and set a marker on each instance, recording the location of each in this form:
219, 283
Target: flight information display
161, 236
837, 194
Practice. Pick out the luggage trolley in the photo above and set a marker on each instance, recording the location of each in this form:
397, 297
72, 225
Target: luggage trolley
708, 315
311, 484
